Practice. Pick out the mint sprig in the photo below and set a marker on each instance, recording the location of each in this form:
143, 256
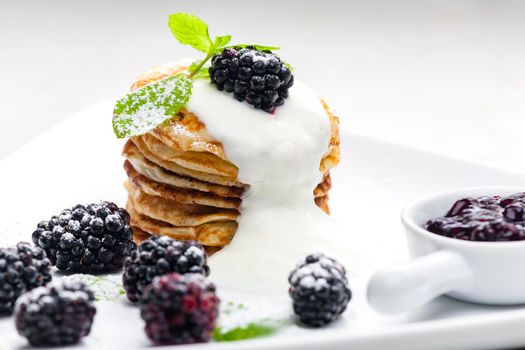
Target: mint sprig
220, 42
146, 108
199, 73
249, 331
191, 30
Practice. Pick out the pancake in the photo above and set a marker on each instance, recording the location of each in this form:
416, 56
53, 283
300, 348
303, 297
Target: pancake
181, 183
216, 234
187, 133
200, 161
161, 175
157, 227
322, 202
332, 156
184, 131
139, 236
324, 187
175, 213
157, 73
177, 194
177, 169
211, 250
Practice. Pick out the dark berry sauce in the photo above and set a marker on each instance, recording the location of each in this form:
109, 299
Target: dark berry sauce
486, 219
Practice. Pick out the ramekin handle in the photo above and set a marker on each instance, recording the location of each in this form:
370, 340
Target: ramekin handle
404, 287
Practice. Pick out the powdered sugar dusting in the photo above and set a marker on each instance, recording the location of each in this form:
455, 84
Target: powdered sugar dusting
315, 275
250, 309
194, 252
144, 109
64, 287
104, 287
305, 276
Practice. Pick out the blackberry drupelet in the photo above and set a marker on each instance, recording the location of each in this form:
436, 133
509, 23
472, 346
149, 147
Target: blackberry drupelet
158, 256
319, 290
60, 313
258, 77
90, 239
22, 268
179, 309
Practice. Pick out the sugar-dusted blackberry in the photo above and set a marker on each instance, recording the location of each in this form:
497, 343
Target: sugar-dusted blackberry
22, 268
258, 77
319, 290
179, 309
60, 313
90, 239
160, 255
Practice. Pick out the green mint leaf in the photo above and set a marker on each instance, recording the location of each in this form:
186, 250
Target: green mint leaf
257, 47
251, 330
289, 66
221, 42
194, 65
144, 109
190, 30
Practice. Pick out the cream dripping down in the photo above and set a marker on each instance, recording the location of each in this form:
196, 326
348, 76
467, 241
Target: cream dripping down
278, 155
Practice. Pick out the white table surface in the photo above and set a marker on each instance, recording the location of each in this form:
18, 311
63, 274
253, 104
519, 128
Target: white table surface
446, 76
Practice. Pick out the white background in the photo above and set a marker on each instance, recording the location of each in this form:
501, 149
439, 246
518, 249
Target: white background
448, 76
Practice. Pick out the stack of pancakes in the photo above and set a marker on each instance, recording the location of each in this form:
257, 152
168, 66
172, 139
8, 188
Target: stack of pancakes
181, 183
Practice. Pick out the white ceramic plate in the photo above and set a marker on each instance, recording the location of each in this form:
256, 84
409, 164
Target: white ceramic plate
79, 162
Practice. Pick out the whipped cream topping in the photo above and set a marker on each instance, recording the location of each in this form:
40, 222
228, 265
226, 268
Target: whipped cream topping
278, 155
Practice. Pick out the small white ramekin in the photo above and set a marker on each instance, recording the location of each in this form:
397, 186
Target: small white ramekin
481, 272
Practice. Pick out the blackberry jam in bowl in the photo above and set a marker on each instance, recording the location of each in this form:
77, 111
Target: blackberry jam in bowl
483, 219
466, 243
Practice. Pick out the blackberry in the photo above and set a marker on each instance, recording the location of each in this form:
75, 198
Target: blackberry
319, 290
179, 309
90, 239
60, 313
160, 255
258, 77
21, 269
